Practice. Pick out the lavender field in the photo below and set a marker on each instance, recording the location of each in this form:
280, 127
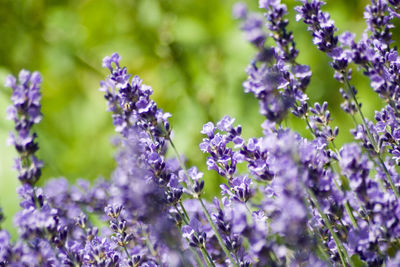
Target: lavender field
263, 134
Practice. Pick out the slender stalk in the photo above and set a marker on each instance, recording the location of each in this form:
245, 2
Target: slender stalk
346, 205
309, 125
341, 250
247, 207
184, 211
150, 245
217, 234
183, 216
323, 253
396, 192
198, 259
221, 242
207, 256
364, 121
127, 252
351, 215
372, 140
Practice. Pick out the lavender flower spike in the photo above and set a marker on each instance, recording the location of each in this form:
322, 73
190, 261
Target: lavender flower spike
25, 112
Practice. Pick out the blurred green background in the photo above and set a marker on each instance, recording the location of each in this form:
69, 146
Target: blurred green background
190, 51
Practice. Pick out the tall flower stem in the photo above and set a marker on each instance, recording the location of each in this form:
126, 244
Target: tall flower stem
376, 149
351, 215
206, 255
346, 204
221, 242
341, 250
208, 216
364, 121
148, 243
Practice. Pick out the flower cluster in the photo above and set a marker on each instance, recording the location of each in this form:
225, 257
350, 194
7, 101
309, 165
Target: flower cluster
286, 200
25, 112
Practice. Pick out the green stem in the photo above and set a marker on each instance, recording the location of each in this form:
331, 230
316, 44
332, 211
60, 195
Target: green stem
148, 243
376, 149
207, 256
396, 192
341, 250
346, 205
127, 252
323, 253
309, 125
364, 121
184, 211
351, 215
221, 242
198, 258
183, 216
335, 148
180, 161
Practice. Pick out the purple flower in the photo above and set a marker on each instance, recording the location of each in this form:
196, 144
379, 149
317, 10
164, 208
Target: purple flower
241, 187
193, 233
239, 10
208, 129
320, 123
5, 247
225, 124
25, 112
107, 61
323, 31
251, 25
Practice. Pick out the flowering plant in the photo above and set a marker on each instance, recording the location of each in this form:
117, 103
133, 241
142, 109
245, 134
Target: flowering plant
298, 202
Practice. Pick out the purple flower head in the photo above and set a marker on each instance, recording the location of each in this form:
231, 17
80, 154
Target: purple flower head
113, 211
239, 10
208, 129
323, 31
10, 81
223, 158
378, 20
385, 118
193, 233
33, 220
309, 10
241, 187
107, 61
264, 83
253, 28
347, 38
268, 3
99, 252
25, 112
356, 167
225, 124
320, 120
360, 133
289, 219
231, 222
5, 247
